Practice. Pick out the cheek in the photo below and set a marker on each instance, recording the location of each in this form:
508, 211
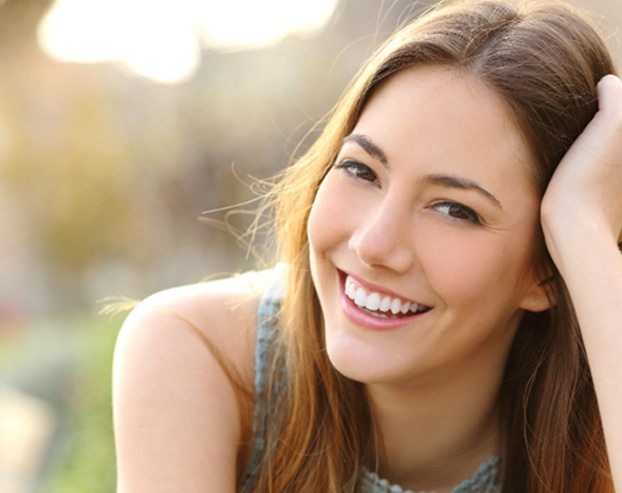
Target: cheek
318, 222
327, 222
465, 269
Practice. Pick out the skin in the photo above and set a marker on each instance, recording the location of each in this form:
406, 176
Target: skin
176, 431
177, 424
432, 383
582, 222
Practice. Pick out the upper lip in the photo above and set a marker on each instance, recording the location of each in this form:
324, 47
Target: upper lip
380, 289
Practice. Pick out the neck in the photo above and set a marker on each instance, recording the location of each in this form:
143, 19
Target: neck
436, 432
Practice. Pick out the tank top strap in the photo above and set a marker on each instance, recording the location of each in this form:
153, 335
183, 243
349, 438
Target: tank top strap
267, 330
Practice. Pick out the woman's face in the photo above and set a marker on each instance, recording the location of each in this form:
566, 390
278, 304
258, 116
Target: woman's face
429, 211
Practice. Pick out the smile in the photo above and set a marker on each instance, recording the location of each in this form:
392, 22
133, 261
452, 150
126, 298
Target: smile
372, 308
379, 304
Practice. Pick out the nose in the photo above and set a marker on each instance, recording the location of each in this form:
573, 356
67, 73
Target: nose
382, 239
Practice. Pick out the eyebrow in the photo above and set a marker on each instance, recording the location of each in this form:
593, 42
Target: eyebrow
368, 146
450, 181
462, 184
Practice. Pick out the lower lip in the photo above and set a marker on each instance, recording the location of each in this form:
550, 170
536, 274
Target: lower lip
367, 320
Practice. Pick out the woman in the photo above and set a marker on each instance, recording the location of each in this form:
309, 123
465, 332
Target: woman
451, 260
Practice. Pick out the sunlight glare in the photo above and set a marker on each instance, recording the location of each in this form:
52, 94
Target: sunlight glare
161, 39
77, 30
243, 24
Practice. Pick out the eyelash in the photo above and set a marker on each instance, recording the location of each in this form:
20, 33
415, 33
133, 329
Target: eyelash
465, 213
356, 169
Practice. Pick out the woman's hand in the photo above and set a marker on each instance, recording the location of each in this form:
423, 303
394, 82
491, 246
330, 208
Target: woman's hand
582, 222
583, 202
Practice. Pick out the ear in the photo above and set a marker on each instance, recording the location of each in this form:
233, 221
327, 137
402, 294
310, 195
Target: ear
540, 296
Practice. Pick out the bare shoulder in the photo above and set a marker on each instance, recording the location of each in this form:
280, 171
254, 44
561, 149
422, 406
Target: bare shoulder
223, 311
177, 421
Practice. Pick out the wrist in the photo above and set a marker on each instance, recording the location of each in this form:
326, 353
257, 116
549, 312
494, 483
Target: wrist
578, 225
578, 238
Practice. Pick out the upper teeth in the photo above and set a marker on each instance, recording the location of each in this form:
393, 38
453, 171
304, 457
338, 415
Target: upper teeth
373, 300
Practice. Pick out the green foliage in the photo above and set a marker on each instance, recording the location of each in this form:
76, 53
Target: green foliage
89, 463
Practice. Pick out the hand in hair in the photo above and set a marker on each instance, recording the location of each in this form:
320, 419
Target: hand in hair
584, 196
582, 222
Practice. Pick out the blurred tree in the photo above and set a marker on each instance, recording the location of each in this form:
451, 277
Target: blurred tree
111, 170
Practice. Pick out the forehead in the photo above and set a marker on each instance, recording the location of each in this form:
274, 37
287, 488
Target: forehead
438, 116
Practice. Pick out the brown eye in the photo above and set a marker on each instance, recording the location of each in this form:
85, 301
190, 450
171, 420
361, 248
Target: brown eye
457, 211
357, 170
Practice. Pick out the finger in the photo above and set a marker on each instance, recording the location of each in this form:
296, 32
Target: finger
610, 94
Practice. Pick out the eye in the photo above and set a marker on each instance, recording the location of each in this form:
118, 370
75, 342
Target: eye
358, 170
457, 211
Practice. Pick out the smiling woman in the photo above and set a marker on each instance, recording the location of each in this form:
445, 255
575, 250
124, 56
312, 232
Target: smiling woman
447, 264
411, 225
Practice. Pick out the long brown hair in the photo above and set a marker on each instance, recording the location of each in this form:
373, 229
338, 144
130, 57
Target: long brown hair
545, 60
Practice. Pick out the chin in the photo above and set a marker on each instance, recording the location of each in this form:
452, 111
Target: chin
366, 360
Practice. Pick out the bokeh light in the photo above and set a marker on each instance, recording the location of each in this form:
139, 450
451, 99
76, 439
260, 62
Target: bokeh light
162, 40
120, 122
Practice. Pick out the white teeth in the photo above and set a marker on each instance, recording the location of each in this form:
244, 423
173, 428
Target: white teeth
376, 302
350, 289
373, 301
415, 308
349, 282
385, 304
396, 304
361, 297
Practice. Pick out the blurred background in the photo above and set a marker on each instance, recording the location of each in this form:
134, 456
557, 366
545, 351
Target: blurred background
121, 122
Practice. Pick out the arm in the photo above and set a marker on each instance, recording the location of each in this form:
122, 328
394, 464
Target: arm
177, 422
582, 222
